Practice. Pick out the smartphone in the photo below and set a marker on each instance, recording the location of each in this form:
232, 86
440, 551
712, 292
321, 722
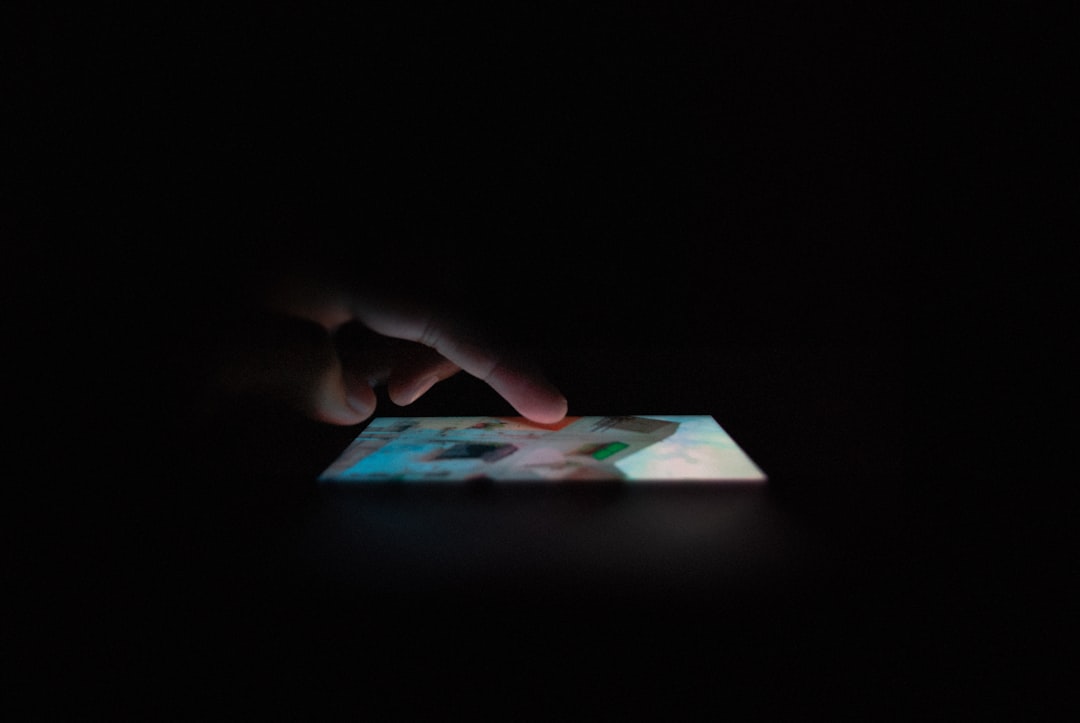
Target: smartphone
645, 448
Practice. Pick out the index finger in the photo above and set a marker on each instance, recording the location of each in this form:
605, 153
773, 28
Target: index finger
515, 379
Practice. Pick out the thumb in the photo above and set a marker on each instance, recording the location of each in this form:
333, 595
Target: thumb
293, 361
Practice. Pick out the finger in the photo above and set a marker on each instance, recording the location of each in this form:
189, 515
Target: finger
289, 360
413, 378
340, 398
408, 369
518, 382
527, 390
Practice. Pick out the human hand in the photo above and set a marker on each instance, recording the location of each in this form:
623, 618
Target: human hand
407, 344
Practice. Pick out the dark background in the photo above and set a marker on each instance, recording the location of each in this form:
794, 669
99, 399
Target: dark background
674, 208
643, 162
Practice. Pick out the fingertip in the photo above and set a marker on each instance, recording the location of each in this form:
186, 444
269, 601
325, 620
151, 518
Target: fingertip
405, 394
361, 399
336, 405
549, 411
529, 392
340, 414
540, 402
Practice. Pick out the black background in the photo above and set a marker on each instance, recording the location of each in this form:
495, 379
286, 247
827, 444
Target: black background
636, 162
674, 208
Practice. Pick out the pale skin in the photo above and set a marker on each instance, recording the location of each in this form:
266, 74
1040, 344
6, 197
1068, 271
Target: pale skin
434, 346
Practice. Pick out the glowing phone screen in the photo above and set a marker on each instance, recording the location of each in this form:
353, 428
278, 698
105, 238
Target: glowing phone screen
668, 448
